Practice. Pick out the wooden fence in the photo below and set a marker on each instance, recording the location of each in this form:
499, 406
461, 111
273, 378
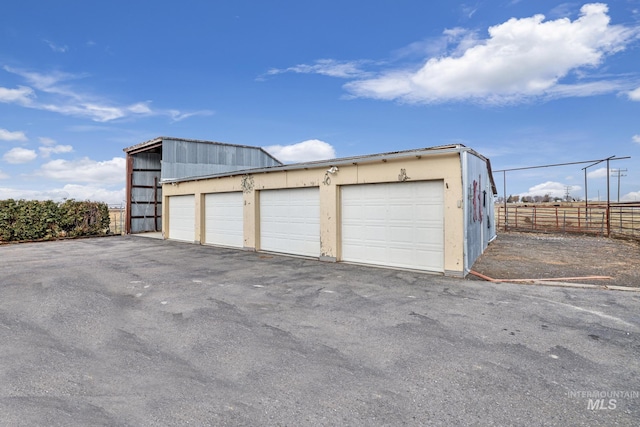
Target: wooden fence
619, 219
117, 218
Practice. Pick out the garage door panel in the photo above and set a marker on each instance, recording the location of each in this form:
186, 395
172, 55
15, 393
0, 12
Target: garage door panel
224, 219
394, 224
400, 235
182, 218
290, 221
402, 254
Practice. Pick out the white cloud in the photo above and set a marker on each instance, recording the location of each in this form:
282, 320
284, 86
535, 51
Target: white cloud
49, 83
326, 67
562, 10
584, 89
85, 170
58, 96
19, 155
93, 193
6, 135
597, 173
634, 95
69, 191
631, 197
56, 47
98, 113
468, 11
522, 59
553, 189
47, 141
305, 151
23, 95
140, 108
46, 151
3, 176
636, 139
177, 116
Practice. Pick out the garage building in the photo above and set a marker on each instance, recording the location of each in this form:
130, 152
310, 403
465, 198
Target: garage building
428, 209
166, 158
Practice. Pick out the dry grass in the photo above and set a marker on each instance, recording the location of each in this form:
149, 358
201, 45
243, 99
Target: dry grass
515, 255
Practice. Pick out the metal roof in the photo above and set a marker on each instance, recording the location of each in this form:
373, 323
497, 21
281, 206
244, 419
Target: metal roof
429, 151
156, 142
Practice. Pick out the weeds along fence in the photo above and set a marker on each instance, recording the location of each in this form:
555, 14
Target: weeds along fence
618, 220
117, 218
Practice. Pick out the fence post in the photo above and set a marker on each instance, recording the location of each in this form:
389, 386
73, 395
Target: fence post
533, 223
121, 219
579, 225
620, 210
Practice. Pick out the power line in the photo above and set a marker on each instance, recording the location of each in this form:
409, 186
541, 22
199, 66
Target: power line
619, 173
563, 164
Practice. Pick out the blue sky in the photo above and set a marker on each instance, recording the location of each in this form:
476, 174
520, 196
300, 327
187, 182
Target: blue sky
523, 82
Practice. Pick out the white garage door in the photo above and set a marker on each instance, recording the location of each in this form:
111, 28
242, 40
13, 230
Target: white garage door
223, 219
396, 225
182, 218
290, 221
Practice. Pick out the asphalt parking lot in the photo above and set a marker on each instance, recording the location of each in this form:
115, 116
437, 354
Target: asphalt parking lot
141, 332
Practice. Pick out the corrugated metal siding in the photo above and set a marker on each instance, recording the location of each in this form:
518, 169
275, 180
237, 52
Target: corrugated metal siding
146, 169
140, 225
146, 161
478, 207
184, 159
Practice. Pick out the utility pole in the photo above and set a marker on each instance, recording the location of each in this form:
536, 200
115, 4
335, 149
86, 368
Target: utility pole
619, 173
608, 199
567, 196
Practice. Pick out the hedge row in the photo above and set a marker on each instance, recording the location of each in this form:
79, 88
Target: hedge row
22, 220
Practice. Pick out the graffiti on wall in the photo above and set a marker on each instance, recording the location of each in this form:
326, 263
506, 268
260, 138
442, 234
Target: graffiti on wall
477, 199
247, 184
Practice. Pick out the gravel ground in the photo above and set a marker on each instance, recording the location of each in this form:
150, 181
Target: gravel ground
516, 255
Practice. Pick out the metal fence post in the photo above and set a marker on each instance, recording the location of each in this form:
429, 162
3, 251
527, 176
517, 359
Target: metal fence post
533, 223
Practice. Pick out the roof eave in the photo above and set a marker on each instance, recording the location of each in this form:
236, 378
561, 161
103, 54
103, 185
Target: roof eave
432, 151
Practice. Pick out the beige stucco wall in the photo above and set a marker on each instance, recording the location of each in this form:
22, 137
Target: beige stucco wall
445, 167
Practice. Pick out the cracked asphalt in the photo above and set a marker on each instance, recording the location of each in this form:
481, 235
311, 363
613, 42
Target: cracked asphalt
129, 331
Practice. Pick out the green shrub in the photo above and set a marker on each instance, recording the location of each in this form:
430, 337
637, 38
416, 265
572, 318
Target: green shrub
44, 220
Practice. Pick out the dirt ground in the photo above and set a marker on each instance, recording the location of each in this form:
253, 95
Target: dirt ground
516, 255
